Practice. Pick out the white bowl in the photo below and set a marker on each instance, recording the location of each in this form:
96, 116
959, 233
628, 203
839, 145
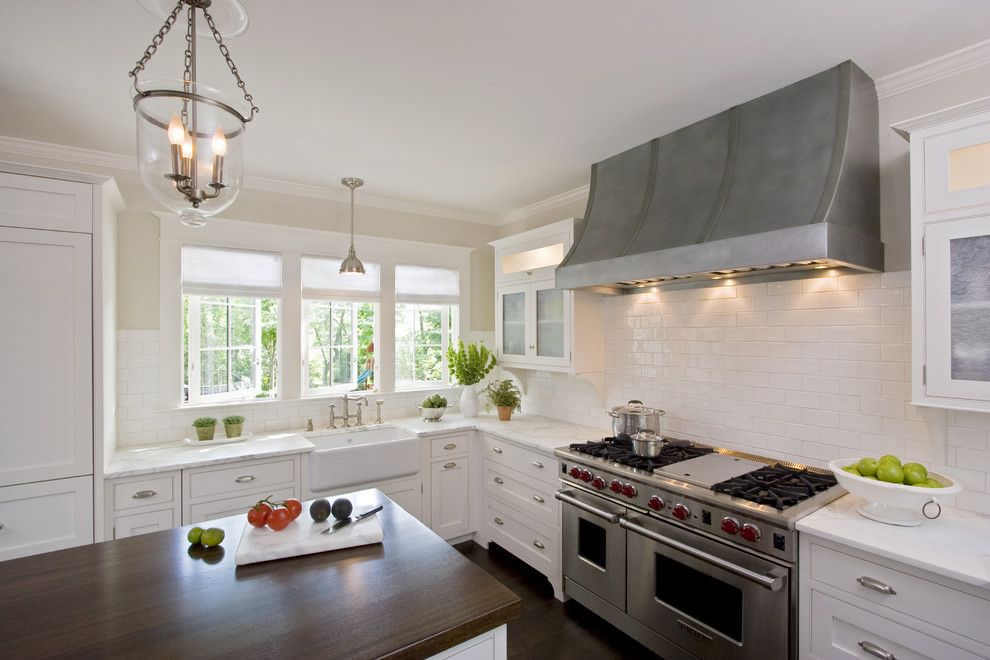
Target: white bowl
894, 504
432, 414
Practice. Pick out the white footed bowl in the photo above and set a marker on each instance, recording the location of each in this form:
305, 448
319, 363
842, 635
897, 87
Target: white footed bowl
894, 504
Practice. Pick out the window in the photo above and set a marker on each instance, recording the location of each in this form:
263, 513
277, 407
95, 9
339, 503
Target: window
230, 324
340, 322
425, 321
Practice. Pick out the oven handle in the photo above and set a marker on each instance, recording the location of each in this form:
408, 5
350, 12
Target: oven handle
771, 582
565, 496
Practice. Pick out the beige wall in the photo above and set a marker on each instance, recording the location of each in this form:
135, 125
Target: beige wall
895, 205
137, 254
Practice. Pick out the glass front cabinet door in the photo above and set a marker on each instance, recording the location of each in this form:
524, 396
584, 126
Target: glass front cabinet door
512, 320
551, 345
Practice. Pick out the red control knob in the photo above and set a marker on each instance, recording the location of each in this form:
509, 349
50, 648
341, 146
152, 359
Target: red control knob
681, 512
585, 475
730, 525
629, 490
575, 472
655, 503
598, 483
751, 533
615, 486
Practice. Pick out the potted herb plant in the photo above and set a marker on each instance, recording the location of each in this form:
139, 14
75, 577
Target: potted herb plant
433, 408
505, 396
205, 427
469, 365
232, 426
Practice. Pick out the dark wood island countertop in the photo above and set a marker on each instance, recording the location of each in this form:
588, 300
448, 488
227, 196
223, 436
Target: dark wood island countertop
409, 597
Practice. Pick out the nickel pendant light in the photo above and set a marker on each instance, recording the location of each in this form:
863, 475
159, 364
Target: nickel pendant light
189, 136
352, 264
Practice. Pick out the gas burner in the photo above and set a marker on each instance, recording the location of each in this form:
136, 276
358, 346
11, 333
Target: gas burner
776, 485
620, 450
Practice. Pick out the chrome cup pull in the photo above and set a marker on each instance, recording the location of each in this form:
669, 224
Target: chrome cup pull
498, 521
876, 585
244, 478
496, 450
449, 446
448, 466
539, 499
143, 494
539, 545
876, 651
499, 481
538, 465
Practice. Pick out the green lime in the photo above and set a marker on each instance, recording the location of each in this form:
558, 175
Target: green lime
931, 483
889, 458
195, 535
891, 473
851, 469
918, 467
913, 475
212, 537
867, 466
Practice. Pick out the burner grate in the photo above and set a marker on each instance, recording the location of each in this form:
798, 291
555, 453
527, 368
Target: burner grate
620, 450
776, 485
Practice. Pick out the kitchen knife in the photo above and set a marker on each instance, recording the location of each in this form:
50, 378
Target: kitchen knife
353, 519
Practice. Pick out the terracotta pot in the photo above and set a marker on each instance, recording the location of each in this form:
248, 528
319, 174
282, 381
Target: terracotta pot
205, 432
504, 413
233, 430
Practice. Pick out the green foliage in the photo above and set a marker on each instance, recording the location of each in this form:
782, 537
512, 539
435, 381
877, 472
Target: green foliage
204, 421
435, 401
233, 419
330, 328
419, 342
469, 365
504, 393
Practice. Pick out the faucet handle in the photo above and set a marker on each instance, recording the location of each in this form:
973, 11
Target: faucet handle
379, 403
359, 422
333, 416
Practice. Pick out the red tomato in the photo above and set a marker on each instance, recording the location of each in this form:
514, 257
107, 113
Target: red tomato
294, 506
279, 519
258, 514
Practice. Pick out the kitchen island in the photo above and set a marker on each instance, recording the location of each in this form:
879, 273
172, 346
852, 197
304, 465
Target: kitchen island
412, 596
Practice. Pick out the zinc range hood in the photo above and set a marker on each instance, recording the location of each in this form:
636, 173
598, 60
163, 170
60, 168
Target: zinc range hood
786, 182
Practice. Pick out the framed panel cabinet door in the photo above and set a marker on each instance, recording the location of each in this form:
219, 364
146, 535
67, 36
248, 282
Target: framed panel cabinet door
46, 393
957, 311
551, 326
512, 337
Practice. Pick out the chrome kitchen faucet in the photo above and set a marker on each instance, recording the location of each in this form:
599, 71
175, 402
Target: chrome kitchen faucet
347, 416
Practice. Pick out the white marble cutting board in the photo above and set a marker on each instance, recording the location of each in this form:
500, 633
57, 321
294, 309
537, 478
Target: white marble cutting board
304, 537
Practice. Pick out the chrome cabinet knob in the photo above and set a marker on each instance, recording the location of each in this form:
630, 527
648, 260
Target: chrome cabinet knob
448, 466
537, 464
499, 481
876, 651
539, 499
496, 450
539, 545
143, 494
245, 478
876, 585
498, 521
450, 445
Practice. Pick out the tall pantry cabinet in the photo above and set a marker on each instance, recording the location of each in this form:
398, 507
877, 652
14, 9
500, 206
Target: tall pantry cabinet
57, 255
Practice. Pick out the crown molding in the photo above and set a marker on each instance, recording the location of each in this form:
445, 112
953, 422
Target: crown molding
939, 68
80, 157
548, 204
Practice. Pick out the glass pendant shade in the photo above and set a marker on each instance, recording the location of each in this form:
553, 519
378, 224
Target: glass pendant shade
189, 147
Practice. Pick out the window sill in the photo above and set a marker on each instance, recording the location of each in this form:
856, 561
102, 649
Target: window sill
250, 403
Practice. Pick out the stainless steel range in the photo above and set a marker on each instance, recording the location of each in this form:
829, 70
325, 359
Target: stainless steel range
692, 552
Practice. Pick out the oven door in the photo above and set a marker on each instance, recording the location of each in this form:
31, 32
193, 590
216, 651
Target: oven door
593, 546
706, 596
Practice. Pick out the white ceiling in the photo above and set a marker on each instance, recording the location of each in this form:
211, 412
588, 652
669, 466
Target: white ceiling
483, 106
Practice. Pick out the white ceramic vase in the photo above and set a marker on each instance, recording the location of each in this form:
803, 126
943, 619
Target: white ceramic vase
469, 401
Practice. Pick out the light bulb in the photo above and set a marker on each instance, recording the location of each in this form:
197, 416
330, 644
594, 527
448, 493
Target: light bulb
176, 131
219, 143
187, 148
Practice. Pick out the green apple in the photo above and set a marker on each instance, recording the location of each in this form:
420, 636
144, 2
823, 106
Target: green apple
195, 534
914, 474
851, 469
892, 474
867, 466
931, 483
915, 466
889, 458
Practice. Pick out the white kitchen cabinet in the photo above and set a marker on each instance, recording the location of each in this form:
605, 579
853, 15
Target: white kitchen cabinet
539, 326
144, 523
407, 493
142, 504
450, 512
950, 281
227, 489
45, 516
854, 604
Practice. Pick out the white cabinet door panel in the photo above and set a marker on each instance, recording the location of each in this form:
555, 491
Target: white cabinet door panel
449, 508
407, 494
144, 523
46, 393
38, 203
45, 516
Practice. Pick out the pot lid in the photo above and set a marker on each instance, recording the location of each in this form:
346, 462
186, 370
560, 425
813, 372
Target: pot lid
636, 407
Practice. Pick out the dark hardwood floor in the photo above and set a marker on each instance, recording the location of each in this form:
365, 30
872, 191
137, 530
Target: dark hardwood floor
547, 628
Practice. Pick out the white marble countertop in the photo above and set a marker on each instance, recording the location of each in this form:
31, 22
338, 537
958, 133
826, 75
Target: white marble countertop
540, 433
956, 544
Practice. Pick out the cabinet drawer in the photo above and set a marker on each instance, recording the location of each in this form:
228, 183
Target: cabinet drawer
45, 516
450, 445
246, 476
527, 462
533, 497
838, 628
144, 523
916, 597
146, 491
234, 506
527, 539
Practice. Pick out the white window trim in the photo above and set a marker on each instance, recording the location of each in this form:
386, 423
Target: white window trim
195, 357
292, 243
445, 340
316, 392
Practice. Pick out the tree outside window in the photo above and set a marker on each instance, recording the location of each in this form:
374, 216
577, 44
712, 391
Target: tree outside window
340, 345
422, 333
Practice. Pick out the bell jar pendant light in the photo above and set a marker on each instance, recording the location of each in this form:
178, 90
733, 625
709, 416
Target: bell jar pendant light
190, 137
352, 264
